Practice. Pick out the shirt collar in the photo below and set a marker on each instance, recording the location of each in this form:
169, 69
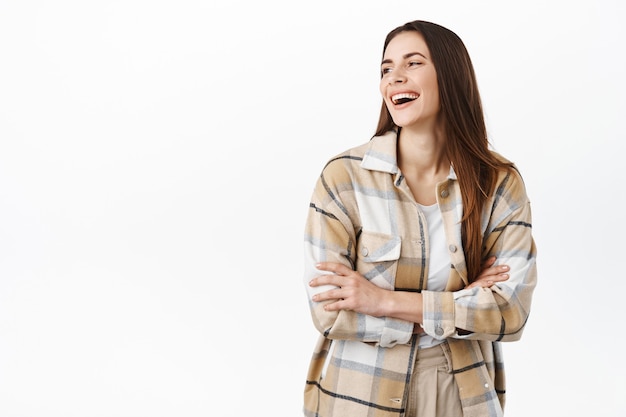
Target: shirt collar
382, 155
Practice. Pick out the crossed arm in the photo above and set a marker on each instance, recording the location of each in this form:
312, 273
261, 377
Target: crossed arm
354, 292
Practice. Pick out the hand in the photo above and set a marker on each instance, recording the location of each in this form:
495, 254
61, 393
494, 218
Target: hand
490, 274
354, 291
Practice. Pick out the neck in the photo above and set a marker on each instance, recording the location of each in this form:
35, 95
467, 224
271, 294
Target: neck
422, 154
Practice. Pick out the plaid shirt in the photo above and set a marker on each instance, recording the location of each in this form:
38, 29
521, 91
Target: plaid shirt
363, 215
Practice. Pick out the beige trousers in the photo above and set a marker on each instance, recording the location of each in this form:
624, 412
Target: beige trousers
433, 390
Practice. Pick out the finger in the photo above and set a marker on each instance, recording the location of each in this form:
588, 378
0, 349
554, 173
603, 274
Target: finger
493, 271
489, 281
330, 279
336, 306
500, 277
328, 295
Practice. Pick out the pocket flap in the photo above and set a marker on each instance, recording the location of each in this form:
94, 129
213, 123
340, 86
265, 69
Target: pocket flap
378, 247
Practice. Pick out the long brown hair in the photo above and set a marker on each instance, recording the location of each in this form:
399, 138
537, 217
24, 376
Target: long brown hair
467, 144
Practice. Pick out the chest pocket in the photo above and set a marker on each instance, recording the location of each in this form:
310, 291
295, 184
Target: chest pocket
377, 257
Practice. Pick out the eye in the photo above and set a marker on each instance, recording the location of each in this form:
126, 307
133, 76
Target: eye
385, 70
414, 63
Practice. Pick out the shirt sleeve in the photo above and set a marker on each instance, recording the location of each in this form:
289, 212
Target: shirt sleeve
331, 236
498, 313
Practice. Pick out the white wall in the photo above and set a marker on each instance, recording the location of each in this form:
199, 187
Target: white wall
156, 161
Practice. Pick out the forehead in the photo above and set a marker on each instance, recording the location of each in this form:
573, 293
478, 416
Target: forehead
405, 43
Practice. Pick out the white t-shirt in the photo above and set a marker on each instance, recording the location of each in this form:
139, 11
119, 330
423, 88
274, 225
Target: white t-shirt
439, 260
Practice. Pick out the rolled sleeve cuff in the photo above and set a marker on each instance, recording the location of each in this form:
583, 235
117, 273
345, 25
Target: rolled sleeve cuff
438, 314
395, 332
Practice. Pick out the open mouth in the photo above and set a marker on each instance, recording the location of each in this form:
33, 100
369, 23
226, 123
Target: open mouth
403, 98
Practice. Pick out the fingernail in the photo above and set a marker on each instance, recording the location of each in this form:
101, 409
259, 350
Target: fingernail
504, 267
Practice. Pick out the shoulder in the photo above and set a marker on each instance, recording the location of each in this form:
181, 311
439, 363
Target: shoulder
350, 159
349, 156
378, 154
340, 169
509, 183
355, 153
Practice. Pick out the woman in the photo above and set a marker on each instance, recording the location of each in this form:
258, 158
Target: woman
401, 244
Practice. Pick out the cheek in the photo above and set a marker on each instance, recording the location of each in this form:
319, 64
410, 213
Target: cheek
434, 85
383, 91
381, 88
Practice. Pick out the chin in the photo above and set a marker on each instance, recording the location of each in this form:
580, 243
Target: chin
403, 122
416, 122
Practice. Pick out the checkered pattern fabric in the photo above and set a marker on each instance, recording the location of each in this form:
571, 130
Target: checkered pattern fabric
363, 214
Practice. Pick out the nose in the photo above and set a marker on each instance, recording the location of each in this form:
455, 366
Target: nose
397, 78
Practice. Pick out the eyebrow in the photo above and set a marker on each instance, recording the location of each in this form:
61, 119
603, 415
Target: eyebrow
405, 56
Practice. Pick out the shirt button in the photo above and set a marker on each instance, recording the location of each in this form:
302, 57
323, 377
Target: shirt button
364, 252
452, 248
444, 193
439, 331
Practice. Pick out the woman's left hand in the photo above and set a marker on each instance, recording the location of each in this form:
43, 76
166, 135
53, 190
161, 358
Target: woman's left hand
354, 291
490, 274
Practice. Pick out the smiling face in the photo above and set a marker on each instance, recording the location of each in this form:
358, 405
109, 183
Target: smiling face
409, 82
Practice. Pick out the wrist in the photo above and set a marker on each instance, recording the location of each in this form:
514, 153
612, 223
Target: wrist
387, 304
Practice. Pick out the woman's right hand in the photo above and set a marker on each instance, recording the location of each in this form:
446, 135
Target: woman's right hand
490, 274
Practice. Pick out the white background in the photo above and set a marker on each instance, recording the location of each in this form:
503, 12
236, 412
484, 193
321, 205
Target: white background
156, 162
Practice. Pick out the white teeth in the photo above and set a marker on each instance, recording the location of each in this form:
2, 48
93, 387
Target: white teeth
403, 97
